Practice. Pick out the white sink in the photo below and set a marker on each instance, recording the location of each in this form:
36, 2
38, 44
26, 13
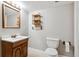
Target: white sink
18, 38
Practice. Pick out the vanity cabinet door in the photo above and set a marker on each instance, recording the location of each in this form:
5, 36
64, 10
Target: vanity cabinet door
6, 49
17, 52
20, 51
24, 50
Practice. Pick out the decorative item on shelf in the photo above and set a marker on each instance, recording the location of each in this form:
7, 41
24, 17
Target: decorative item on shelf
36, 22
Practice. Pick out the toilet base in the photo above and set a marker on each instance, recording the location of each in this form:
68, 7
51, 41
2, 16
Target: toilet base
51, 52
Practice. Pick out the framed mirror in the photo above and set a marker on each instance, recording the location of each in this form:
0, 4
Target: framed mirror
10, 17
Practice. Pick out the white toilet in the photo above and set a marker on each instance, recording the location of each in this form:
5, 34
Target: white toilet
53, 44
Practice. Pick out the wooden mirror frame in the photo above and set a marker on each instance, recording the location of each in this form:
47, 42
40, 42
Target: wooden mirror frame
3, 19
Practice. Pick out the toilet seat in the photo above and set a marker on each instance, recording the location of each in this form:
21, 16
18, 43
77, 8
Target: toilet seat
51, 52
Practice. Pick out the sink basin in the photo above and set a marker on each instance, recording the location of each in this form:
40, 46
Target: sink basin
17, 38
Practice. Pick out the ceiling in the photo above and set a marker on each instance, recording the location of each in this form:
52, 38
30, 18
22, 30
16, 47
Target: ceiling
38, 5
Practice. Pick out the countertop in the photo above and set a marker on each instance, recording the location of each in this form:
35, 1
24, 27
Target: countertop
18, 38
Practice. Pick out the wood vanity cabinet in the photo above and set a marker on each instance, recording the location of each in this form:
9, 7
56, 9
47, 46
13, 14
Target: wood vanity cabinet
15, 49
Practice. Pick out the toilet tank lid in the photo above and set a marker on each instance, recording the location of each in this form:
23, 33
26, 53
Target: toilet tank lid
50, 38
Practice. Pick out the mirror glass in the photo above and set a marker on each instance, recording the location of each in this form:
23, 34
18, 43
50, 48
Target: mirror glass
11, 17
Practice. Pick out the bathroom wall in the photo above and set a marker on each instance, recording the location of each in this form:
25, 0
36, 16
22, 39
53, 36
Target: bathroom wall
58, 22
76, 28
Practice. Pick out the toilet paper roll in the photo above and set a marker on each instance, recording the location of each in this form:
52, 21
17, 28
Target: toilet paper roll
67, 47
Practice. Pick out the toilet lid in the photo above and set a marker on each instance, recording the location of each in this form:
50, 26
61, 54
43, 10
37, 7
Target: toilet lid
51, 51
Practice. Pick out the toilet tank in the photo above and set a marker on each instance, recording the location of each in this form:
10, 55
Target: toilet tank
52, 42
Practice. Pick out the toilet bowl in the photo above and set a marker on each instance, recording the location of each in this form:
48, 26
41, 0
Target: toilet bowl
52, 44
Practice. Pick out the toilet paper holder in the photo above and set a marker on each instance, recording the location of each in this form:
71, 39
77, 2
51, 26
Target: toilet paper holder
65, 41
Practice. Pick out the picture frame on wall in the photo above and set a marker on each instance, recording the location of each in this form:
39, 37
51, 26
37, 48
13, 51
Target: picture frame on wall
36, 22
